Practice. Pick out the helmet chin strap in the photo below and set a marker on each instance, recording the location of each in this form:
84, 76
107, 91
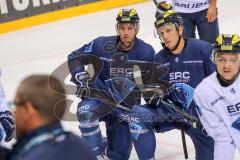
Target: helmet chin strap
123, 47
175, 47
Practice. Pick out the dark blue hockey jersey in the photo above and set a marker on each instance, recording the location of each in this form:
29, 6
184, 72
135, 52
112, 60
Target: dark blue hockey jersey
191, 66
115, 63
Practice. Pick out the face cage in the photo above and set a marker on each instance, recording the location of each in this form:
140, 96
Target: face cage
136, 25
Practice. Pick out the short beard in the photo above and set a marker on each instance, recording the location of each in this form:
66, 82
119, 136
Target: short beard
125, 46
225, 82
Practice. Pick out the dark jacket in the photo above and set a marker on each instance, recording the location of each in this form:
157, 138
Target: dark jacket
50, 143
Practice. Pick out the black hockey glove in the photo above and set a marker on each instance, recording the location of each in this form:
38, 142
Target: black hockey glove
151, 86
84, 80
153, 95
7, 126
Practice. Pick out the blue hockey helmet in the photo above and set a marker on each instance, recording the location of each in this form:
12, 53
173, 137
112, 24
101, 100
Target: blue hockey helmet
127, 16
168, 17
227, 43
162, 8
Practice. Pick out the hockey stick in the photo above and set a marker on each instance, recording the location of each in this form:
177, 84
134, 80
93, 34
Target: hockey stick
155, 2
184, 144
139, 82
157, 90
181, 112
109, 103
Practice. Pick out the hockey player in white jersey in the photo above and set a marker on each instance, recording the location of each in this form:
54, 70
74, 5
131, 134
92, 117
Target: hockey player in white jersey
218, 98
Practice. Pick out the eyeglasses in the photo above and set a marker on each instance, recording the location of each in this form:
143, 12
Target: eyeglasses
13, 104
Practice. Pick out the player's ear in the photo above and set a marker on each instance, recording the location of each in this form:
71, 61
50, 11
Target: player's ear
30, 109
180, 29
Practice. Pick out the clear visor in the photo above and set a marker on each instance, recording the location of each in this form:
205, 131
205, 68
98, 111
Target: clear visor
167, 26
136, 26
223, 58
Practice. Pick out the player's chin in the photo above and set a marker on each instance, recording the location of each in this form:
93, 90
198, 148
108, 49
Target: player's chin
127, 43
170, 47
228, 76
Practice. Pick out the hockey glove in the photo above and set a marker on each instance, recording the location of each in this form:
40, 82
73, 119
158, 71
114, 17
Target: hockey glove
7, 126
182, 94
85, 81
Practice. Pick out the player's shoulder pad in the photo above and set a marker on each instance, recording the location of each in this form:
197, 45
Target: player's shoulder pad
141, 42
144, 47
88, 48
197, 43
161, 55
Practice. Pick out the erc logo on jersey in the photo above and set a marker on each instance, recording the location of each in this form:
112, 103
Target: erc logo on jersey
83, 108
182, 77
234, 110
121, 72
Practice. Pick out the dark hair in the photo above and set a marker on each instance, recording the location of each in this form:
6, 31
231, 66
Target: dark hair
46, 94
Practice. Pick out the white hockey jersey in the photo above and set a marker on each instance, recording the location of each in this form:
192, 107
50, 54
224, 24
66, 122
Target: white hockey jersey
219, 108
188, 6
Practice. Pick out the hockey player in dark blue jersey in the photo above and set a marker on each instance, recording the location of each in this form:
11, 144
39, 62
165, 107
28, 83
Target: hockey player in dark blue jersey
188, 62
113, 52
